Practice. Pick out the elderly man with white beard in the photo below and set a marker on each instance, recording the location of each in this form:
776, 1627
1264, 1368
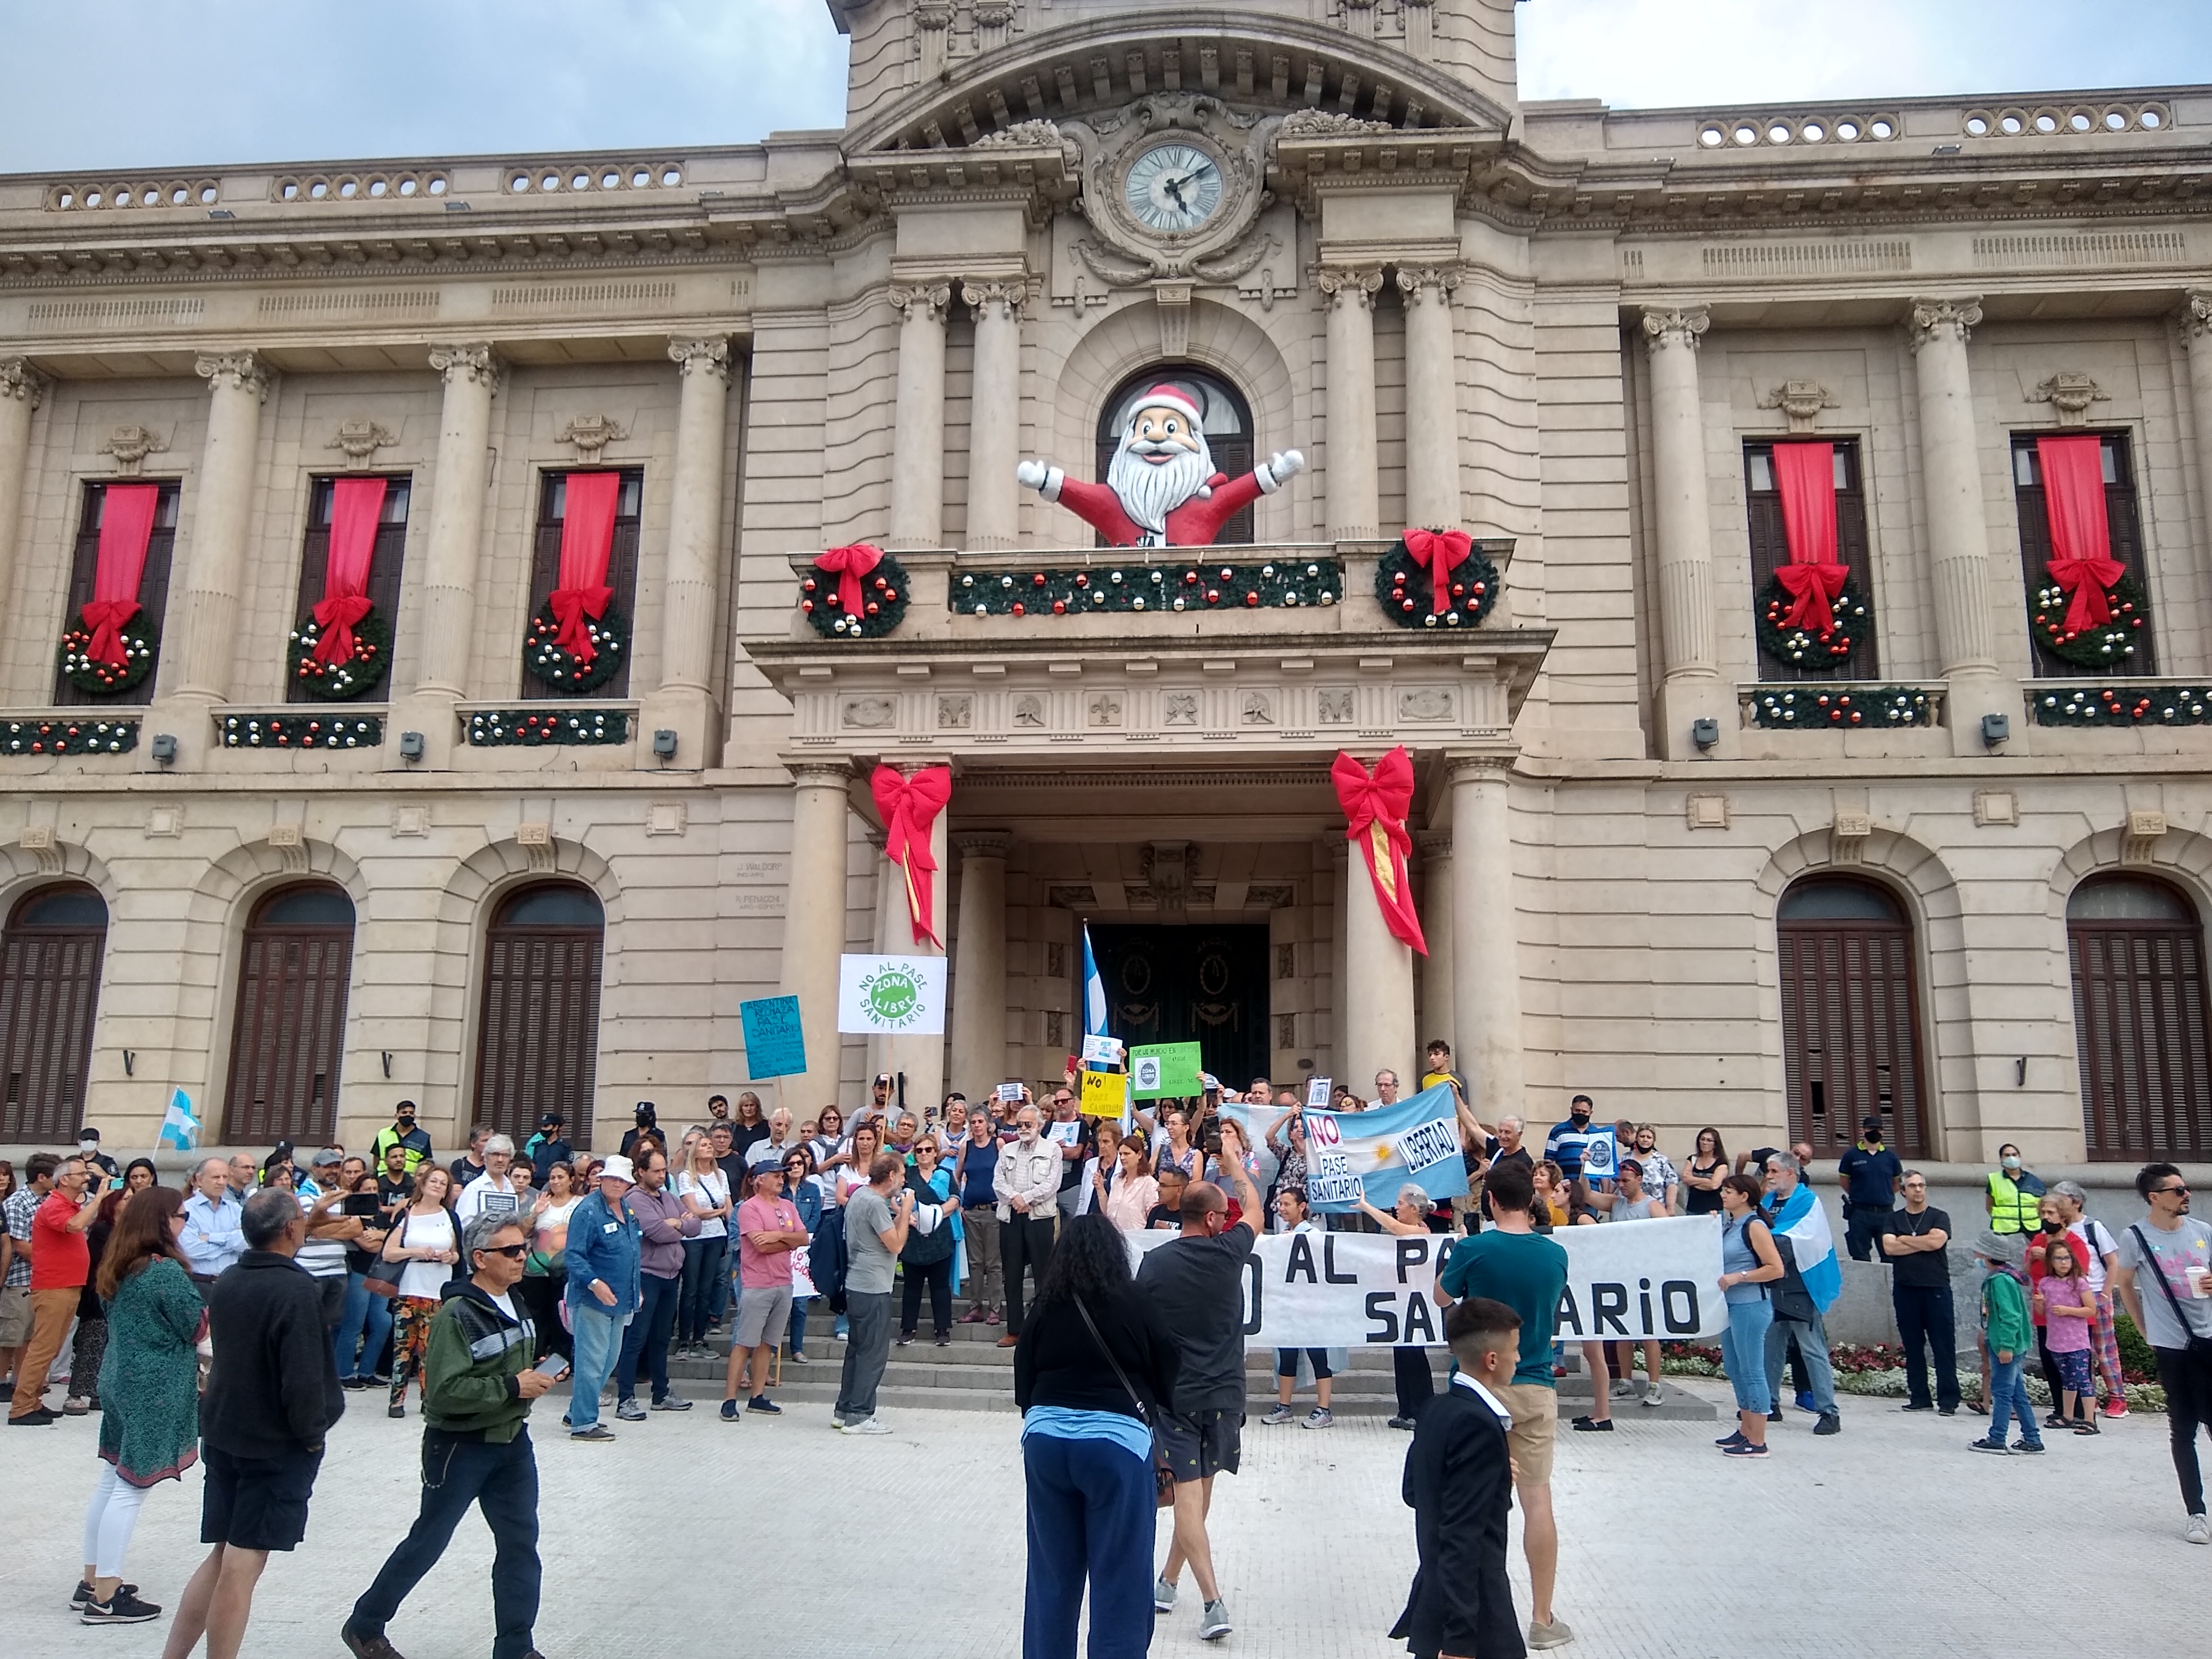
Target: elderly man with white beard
1161, 490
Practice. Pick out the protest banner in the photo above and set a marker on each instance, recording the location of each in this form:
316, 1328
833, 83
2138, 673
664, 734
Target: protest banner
888, 995
1640, 1279
1376, 1152
802, 1274
775, 1044
1104, 1094
1164, 1070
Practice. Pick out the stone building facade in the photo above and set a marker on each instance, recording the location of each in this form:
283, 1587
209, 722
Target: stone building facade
1649, 864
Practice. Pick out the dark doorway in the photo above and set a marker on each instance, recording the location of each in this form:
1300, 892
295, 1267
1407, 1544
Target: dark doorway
294, 970
1190, 983
49, 990
1851, 1032
537, 1038
2139, 1024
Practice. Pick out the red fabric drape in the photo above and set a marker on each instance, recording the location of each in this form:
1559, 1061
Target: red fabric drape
1437, 552
587, 537
1805, 475
910, 805
355, 506
848, 565
2081, 537
1375, 807
126, 525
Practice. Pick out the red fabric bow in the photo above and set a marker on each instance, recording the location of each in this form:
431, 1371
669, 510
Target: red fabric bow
911, 804
848, 565
126, 525
1439, 552
1805, 478
355, 506
1375, 807
2080, 536
1811, 589
337, 617
587, 539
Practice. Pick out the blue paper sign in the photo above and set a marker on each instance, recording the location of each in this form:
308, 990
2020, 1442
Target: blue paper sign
775, 1044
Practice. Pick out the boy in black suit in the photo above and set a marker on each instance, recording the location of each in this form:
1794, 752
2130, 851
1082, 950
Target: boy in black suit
1459, 1484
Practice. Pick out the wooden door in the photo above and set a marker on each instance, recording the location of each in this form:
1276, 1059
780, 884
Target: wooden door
50, 957
1850, 1022
537, 1033
295, 968
2137, 960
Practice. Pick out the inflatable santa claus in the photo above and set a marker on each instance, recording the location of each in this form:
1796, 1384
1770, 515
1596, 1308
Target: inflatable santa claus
1161, 490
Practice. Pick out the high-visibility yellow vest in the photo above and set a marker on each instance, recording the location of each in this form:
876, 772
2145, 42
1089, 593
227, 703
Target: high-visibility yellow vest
2013, 1208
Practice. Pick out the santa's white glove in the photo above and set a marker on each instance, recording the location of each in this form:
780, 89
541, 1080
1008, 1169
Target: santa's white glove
1284, 464
1030, 474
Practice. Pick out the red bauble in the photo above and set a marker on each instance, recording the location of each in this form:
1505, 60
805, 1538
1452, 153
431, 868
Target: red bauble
1252, 598
1190, 579
873, 607
807, 607
1018, 611
1082, 581
1038, 580
1059, 607
890, 596
1408, 605
807, 587
1226, 573
1213, 596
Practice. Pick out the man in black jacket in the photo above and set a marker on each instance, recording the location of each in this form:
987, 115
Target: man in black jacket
271, 1396
1459, 1484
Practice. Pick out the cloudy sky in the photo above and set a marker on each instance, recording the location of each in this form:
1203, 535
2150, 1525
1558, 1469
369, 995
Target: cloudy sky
161, 83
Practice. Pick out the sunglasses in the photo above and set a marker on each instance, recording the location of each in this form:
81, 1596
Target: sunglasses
2175, 1191
512, 1252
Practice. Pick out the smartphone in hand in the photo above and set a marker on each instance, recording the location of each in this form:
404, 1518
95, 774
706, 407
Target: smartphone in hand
553, 1366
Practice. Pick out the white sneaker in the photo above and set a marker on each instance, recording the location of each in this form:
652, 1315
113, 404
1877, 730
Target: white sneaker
1320, 1418
1163, 1595
1652, 1396
1622, 1388
1214, 1624
2198, 1531
869, 1426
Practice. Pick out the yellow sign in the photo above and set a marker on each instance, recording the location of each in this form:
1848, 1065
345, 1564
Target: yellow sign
1104, 1093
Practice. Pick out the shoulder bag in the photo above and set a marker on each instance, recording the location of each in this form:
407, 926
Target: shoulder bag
384, 1281
2201, 1347
1162, 1477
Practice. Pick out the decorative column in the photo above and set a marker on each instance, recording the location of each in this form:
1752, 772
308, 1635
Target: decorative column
21, 390
1486, 937
1432, 481
472, 375
994, 419
1958, 524
684, 702
979, 966
202, 616
814, 928
1692, 689
1339, 872
1353, 514
918, 436
1379, 990
1439, 1018
2195, 324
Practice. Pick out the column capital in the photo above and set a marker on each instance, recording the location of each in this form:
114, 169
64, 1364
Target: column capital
984, 843
20, 382
1353, 284
2194, 318
816, 773
1679, 325
470, 361
1934, 318
234, 371
924, 302
1433, 844
981, 293
702, 355
1416, 283
1486, 766
932, 14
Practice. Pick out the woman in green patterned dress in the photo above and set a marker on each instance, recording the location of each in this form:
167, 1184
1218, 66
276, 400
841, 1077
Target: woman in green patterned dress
149, 1394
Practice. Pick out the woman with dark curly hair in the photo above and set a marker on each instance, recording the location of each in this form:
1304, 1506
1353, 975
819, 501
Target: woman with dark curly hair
1093, 1370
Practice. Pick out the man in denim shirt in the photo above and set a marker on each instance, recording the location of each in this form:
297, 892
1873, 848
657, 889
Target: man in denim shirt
604, 1247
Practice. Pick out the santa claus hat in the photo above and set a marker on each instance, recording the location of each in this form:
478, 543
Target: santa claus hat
1168, 396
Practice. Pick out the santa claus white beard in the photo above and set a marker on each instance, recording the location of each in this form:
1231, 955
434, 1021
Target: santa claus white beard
1149, 492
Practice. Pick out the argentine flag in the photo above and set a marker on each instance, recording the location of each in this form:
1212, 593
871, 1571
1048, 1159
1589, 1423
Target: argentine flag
1094, 991
1804, 1222
180, 1130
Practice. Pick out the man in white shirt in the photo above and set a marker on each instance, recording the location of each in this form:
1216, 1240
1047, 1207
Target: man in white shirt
493, 1192
777, 1146
1027, 1185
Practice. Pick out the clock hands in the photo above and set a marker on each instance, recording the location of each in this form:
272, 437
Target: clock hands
1173, 185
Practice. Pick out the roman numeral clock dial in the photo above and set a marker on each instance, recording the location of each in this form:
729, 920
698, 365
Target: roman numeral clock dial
1174, 188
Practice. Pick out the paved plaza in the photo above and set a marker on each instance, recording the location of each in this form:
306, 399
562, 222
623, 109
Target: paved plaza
689, 1536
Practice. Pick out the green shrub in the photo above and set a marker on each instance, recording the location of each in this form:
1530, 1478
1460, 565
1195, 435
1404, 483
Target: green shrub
2137, 1363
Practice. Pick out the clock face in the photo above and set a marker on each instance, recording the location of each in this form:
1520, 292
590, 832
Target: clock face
1172, 187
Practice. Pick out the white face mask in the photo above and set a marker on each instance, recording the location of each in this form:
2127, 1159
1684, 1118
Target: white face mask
87, 1144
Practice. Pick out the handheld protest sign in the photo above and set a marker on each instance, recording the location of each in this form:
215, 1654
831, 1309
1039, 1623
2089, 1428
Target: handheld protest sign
1104, 1094
1160, 1071
775, 1042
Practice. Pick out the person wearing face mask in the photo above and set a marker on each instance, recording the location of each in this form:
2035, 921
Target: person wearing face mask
414, 1144
1566, 1145
2013, 1194
97, 1162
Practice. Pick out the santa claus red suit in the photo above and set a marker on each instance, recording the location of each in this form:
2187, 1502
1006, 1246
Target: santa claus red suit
1161, 490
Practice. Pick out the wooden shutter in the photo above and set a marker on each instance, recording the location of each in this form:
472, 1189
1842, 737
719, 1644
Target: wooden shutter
1769, 546
2139, 1032
622, 576
538, 1041
49, 994
1851, 1033
153, 589
289, 1039
384, 560
2123, 523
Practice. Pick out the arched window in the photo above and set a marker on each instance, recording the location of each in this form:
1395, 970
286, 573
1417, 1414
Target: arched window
1226, 420
2138, 958
537, 1036
294, 969
48, 994
1851, 1024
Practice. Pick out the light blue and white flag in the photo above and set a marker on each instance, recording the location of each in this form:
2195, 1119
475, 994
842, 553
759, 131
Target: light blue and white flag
1803, 1221
1094, 991
180, 1130
1375, 1153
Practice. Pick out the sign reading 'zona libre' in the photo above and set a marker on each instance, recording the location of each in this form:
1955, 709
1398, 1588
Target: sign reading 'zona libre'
887, 995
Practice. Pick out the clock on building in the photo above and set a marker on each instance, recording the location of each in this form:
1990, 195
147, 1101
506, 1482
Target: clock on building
1172, 187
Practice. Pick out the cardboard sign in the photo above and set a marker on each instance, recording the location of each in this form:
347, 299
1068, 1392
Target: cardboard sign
775, 1044
885, 996
1104, 1094
1160, 1069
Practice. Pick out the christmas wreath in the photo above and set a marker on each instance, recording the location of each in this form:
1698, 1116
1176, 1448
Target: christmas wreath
857, 593
137, 638
358, 674
1409, 588
1805, 646
548, 660
2099, 644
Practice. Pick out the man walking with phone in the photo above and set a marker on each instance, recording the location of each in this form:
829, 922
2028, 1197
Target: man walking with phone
478, 1386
